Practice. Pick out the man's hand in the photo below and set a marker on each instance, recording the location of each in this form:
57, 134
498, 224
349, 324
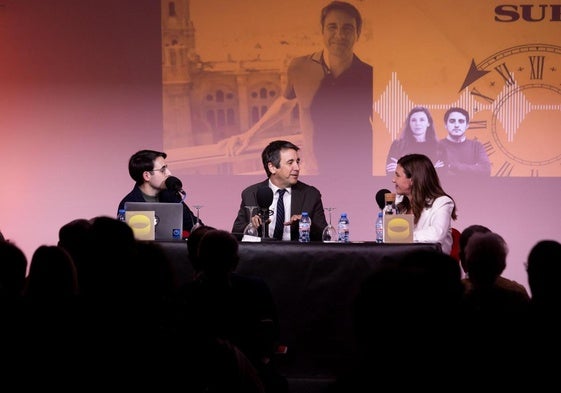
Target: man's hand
257, 222
439, 164
235, 144
392, 165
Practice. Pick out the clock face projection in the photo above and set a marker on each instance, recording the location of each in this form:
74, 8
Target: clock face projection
517, 104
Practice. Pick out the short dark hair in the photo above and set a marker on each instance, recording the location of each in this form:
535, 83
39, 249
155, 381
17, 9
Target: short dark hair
464, 237
193, 242
271, 154
345, 7
143, 161
218, 253
456, 109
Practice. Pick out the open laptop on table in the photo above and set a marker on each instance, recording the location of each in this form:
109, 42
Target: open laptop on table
155, 220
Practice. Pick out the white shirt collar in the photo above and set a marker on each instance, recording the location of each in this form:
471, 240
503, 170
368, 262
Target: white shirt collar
275, 188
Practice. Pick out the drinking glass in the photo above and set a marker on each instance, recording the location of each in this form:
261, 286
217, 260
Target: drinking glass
198, 223
250, 232
329, 234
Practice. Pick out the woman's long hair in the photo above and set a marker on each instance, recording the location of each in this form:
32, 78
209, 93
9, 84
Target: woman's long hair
426, 185
406, 134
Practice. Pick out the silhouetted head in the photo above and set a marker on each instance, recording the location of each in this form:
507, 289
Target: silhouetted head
485, 258
193, 242
544, 271
13, 268
52, 274
464, 237
218, 253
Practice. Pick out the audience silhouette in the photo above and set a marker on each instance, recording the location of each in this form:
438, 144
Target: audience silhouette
544, 270
232, 306
501, 282
405, 310
52, 275
484, 258
76, 238
99, 290
542, 334
13, 269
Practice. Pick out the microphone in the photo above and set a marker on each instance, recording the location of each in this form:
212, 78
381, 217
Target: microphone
264, 200
381, 198
174, 184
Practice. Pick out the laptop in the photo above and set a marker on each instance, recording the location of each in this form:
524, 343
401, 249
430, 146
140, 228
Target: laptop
155, 220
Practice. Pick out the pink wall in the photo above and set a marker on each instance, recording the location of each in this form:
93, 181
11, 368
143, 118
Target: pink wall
80, 91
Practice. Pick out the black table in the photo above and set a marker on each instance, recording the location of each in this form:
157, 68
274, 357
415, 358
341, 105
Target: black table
314, 286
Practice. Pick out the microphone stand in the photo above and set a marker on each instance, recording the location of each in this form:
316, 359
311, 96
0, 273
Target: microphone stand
265, 213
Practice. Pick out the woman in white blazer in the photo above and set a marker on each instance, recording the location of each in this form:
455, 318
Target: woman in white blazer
419, 193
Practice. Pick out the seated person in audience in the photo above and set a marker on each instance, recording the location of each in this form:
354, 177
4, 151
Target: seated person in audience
52, 276
418, 136
484, 259
232, 306
501, 282
282, 166
193, 248
544, 271
419, 193
51, 296
542, 333
75, 238
403, 310
13, 269
149, 171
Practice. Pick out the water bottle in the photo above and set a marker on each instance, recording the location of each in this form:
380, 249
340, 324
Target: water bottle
121, 215
380, 228
343, 228
304, 228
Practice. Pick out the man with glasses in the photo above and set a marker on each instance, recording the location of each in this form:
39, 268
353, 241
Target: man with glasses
149, 171
462, 156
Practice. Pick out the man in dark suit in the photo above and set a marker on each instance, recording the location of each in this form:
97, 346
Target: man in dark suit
282, 166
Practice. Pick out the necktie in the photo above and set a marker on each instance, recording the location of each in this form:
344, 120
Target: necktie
279, 223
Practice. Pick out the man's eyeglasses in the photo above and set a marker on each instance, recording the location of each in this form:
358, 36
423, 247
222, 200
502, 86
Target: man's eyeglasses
162, 169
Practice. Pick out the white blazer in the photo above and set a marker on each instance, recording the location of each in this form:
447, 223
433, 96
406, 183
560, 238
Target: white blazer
435, 223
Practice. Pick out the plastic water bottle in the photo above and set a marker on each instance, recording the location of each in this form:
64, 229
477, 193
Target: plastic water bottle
304, 228
121, 215
380, 228
343, 229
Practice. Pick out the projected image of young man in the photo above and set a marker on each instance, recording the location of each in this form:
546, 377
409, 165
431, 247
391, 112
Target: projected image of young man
333, 91
462, 156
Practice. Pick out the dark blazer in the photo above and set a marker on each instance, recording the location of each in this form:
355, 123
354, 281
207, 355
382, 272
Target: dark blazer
304, 198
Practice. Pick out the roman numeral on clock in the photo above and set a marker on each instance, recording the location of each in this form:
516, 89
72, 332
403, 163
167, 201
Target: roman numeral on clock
477, 124
536, 67
503, 71
489, 148
505, 169
475, 92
